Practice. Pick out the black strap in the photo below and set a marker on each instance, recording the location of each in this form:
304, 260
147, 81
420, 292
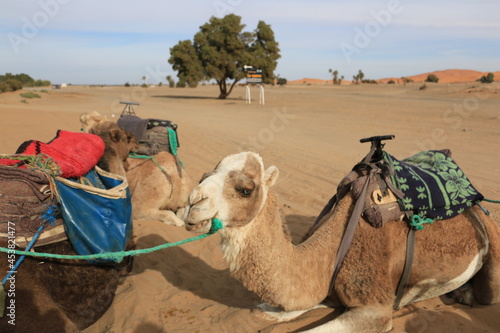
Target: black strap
349, 231
410, 248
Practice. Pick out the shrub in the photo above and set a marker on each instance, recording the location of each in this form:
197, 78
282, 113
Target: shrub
432, 78
391, 82
127, 84
487, 78
281, 81
30, 94
423, 87
10, 85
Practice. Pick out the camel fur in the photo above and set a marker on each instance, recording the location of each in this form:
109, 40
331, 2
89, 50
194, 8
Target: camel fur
257, 247
159, 187
60, 295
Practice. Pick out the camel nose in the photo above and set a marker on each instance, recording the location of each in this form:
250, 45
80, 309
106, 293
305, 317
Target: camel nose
196, 196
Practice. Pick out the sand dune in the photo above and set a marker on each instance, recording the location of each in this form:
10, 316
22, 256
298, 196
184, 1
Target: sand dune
311, 133
445, 76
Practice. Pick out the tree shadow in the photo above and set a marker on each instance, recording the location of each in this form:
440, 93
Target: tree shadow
194, 97
190, 273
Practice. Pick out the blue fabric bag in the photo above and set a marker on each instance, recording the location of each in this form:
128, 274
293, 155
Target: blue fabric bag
97, 211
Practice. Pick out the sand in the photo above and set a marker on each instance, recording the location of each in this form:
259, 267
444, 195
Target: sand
311, 133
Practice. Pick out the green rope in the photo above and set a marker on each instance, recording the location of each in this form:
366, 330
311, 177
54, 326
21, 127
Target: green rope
146, 157
418, 222
40, 162
118, 256
172, 139
489, 200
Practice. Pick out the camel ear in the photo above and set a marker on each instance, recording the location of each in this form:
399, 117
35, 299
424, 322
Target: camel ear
115, 134
271, 175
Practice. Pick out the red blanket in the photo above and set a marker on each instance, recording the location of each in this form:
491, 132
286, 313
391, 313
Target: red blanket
75, 153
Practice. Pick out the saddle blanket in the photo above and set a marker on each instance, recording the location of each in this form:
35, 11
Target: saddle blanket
433, 185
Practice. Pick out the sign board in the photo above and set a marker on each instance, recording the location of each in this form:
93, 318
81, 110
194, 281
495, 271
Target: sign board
254, 75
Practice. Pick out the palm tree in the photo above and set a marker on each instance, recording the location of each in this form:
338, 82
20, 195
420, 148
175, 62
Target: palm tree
335, 74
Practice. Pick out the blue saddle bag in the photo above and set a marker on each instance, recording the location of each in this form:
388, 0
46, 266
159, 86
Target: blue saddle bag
97, 212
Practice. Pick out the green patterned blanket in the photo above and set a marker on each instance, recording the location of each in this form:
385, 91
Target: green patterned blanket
433, 184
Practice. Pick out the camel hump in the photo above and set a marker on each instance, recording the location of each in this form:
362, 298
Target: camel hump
154, 135
433, 185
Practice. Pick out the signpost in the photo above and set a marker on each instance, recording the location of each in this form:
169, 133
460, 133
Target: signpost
254, 76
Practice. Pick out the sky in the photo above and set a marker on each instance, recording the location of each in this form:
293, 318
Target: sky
114, 42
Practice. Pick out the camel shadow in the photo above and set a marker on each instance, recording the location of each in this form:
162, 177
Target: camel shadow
190, 273
432, 321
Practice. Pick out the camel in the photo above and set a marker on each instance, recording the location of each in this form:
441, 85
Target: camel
159, 187
50, 295
257, 247
53, 295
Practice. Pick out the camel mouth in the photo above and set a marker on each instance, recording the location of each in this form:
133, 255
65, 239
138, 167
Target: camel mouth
199, 225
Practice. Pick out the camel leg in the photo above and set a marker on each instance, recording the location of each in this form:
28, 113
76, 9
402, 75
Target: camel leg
278, 314
486, 282
166, 216
362, 319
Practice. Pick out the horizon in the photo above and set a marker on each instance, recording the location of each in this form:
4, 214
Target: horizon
100, 43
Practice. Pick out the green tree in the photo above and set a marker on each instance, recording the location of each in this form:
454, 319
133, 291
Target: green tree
335, 74
220, 50
361, 75
487, 78
432, 78
281, 81
171, 82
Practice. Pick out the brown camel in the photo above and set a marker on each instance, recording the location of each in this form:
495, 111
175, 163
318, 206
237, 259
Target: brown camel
256, 244
159, 187
49, 295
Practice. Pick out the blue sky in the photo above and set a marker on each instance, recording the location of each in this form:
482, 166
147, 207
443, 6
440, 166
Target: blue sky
113, 42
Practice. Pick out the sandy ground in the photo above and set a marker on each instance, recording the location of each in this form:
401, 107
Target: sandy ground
311, 133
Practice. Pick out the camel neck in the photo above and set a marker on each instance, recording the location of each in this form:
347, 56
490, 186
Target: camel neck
283, 274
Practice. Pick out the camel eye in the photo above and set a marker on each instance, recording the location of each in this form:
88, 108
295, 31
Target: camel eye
244, 192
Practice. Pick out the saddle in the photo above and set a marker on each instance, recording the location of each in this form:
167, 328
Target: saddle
25, 198
428, 185
153, 135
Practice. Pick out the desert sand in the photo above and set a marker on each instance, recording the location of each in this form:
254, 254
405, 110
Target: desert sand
311, 133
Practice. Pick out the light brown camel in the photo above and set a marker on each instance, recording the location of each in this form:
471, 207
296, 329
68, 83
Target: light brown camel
158, 186
257, 246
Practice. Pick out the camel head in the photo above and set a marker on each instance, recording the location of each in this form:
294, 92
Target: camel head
119, 144
91, 119
234, 192
122, 141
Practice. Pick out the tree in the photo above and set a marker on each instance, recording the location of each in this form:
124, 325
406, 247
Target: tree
281, 81
487, 78
171, 82
361, 75
432, 78
220, 50
335, 74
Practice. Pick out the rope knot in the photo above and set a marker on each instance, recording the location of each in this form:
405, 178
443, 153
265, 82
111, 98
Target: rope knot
418, 222
216, 226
